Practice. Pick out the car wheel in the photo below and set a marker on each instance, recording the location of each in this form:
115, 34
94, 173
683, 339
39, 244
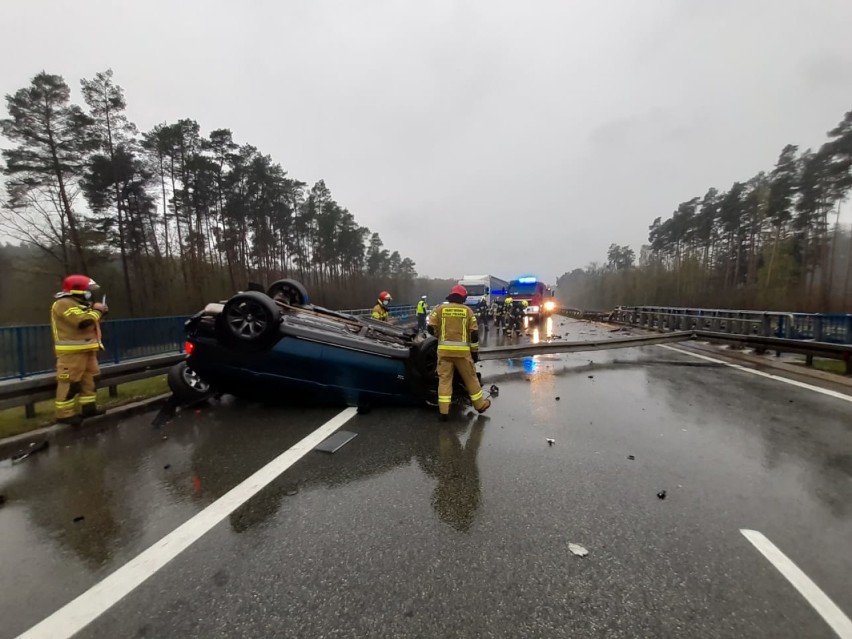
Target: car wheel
289, 292
426, 360
249, 319
185, 384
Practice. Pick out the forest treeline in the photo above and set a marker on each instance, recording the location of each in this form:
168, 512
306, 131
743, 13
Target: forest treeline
773, 241
169, 218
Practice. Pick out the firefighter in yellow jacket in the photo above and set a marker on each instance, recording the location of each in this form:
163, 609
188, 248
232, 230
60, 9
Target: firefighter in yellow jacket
454, 324
75, 322
380, 310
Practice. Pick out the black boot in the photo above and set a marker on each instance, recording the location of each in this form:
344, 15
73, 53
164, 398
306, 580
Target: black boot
442, 417
91, 410
73, 420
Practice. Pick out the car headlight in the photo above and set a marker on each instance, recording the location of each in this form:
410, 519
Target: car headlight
549, 306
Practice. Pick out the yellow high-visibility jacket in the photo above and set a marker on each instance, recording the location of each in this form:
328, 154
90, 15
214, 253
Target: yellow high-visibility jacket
380, 312
454, 324
76, 326
421, 308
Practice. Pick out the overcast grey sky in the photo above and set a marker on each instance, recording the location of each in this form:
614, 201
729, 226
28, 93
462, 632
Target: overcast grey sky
475, 136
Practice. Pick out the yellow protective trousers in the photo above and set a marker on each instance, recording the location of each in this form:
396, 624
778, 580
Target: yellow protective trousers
75, 381
447, 366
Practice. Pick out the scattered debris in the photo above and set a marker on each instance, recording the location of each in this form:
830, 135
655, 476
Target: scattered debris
578, 550
661, 494
292, 492
33, 448
167, 466
78, 519
550, 441
790, 400
591, 376
631, 457
557, 398
165, 437
336, 441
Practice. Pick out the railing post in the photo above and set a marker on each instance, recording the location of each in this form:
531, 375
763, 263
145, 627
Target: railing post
19, 332
818, 327
765, 330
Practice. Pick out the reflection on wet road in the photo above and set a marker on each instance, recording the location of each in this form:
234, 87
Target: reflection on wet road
417, 528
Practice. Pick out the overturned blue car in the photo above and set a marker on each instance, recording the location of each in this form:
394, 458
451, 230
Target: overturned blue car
274, 345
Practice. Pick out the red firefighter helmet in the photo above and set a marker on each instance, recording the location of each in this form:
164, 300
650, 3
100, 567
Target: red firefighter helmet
458, 289
384, 296
79, 285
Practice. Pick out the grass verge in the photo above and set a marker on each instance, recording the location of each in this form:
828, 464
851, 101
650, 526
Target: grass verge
829, 365
14, 422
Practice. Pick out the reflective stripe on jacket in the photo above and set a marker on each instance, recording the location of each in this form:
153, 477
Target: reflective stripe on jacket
380, 312
66, 316
454, 324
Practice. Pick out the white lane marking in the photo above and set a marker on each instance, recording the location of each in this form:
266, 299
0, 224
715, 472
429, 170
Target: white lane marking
828, 610
777, 378
77, 614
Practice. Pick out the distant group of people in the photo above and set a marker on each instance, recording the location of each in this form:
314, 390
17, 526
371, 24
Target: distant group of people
507, 314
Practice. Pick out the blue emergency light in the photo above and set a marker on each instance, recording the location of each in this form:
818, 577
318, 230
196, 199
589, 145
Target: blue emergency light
527, 280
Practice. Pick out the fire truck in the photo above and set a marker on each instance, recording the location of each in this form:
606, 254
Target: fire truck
538, 296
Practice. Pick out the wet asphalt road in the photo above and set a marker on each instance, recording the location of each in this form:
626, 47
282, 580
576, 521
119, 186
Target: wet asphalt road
416, 529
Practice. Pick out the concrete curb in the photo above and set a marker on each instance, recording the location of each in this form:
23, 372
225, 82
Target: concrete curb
11, 446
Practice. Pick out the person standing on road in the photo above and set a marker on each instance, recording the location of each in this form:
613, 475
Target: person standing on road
380, 310
75, 323
454, 324
421, 312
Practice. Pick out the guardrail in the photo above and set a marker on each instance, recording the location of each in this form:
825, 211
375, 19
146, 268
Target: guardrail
812, 335
40, 387
833, 328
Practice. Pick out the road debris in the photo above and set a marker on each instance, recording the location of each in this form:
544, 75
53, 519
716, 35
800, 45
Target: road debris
631, 457
591, 376
78, 519
336, 441
32, 449
550, 441
578, 550
661, 494
167, 466
557, 398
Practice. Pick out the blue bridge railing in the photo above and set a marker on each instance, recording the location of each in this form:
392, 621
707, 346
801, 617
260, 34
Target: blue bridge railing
28, 350
834, 328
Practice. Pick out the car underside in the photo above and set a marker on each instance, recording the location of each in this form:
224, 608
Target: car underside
274, 345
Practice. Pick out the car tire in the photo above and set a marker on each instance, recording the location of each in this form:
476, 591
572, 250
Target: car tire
185, 384
248, 320
426, 360
290, 292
